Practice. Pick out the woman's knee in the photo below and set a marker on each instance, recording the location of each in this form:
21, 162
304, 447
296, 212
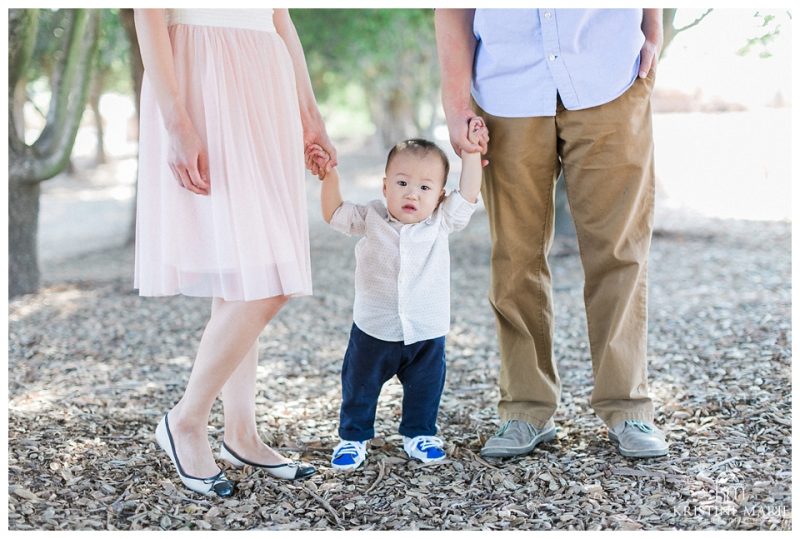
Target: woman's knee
269, 307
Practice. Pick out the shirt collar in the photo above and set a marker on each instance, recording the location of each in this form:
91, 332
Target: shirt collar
390, 218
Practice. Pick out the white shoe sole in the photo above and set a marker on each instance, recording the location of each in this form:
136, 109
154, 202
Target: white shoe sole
196, 484
544, 436
347, 467
637, 453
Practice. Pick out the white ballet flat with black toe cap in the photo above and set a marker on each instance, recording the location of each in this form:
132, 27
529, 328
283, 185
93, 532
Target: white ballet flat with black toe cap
215, 485
290, 470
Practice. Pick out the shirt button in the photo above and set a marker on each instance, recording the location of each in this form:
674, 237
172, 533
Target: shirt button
552, 57
546, 14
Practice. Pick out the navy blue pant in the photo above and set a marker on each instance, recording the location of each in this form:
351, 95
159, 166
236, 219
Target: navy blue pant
369, 363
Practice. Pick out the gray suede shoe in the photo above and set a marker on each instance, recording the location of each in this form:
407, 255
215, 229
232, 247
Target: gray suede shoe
638, 439
517, 437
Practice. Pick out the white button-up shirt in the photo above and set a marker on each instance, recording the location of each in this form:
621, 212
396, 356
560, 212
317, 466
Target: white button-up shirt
402, 271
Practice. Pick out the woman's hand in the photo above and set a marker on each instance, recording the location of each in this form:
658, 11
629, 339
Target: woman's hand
318, 161
315, 133
188, 159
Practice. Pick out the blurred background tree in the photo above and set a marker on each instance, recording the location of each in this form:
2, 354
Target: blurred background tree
112, 69
385, 57
68, 69
371, 68
564, 226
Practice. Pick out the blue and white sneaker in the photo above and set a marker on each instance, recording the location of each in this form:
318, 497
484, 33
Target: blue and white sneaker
348, 455
424, 448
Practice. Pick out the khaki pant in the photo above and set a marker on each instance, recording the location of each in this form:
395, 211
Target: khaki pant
607, 155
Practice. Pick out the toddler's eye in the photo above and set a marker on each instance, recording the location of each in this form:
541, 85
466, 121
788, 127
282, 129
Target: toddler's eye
425, 188
401, 183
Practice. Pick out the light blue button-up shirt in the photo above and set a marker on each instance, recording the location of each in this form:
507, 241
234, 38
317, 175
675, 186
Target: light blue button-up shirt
525, 57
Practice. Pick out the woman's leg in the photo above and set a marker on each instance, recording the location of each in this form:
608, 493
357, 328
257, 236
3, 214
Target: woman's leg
231, 331
239, 400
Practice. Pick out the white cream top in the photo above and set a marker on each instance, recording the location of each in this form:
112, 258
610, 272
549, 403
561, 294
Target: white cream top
245, 19
402, 272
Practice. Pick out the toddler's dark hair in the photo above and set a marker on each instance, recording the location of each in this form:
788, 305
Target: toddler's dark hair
421, 148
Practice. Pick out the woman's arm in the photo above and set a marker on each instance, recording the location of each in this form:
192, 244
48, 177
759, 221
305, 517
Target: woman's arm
313, 126
187, 155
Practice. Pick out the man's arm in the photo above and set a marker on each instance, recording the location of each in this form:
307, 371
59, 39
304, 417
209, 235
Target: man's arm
455, 44
653, 29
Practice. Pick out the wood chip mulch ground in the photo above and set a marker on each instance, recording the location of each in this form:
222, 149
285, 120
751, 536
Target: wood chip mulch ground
92, 367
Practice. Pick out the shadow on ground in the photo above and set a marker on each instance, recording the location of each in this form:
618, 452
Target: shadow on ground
92, 367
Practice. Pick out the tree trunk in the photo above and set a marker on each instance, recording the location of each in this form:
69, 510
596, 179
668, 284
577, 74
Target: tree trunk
95, 94
30, 164
137, 74
23, 220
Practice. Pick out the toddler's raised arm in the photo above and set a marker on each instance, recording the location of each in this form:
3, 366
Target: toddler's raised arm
330, 196
470, 184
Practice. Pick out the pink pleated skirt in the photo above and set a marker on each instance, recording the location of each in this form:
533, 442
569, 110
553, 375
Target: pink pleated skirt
248, 239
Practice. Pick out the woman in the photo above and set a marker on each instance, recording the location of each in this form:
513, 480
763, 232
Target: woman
226, 108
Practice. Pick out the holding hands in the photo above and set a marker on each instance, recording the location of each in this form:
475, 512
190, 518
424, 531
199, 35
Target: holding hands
478, 134
318, 161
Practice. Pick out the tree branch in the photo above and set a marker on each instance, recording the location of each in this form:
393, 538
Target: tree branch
82, 54
62, 82
694, 22
22, 25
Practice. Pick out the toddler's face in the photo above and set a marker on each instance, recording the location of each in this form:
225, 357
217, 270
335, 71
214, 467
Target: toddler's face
413, 186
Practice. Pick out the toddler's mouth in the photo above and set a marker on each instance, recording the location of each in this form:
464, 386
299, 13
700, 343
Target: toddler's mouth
409, 208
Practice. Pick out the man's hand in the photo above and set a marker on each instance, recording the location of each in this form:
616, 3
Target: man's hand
653, 30
458, 126
648, 58
478, 133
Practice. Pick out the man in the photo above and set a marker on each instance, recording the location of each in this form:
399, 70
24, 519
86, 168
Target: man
562, 88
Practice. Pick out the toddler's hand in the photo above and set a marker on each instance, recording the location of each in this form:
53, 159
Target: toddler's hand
478, 133
317, 160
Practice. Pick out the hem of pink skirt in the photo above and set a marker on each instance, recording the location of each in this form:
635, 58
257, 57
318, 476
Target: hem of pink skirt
293, 294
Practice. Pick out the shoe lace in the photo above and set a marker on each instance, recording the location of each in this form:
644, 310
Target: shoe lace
347, 448
641, 425
503, 428
426, 442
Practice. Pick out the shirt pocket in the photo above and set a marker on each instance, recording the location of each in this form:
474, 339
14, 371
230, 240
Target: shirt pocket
510, 27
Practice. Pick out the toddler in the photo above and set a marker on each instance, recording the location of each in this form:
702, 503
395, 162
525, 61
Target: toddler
401, 312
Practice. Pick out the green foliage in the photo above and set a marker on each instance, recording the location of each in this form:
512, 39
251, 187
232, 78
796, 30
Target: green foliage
113, 48
362, 45
50, 44
389, 53
769, 29
113, 55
